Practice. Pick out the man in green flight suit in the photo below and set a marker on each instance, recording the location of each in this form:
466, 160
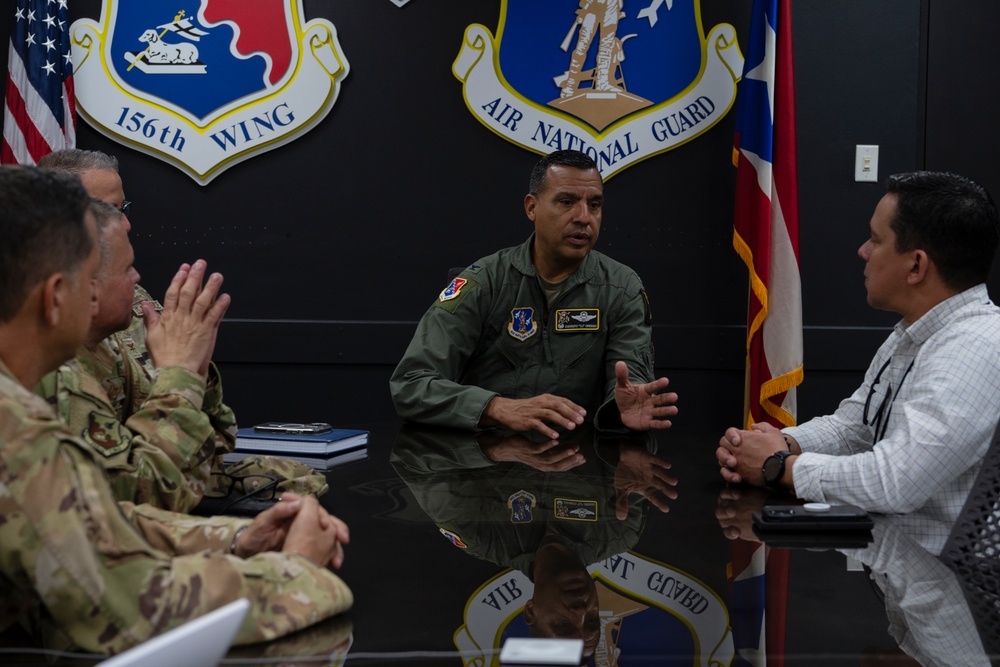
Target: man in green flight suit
107, 575
541, 336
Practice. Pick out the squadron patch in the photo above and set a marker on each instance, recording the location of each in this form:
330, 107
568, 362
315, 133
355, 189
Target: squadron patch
521, 505
576, 510
454, 293
452, 290
106, 435
454, 539
522, 323
578, 319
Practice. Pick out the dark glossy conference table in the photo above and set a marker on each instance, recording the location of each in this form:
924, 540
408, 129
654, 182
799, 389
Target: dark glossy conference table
636, 557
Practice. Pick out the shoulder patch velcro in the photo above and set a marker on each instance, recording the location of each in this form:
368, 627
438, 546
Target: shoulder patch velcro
453, 294
106, 435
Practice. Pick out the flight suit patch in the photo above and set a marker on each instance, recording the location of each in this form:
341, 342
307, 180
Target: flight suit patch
452, 295
521, 505
106, 435
578, 319
522, 323
454, 539
576, 510
453, 289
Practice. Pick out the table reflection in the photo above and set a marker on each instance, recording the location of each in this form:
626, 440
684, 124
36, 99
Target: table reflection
563, 517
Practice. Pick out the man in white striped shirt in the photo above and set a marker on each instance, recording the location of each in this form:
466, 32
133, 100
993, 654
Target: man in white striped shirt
913, 435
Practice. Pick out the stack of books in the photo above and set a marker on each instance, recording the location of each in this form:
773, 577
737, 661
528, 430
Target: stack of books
319, 450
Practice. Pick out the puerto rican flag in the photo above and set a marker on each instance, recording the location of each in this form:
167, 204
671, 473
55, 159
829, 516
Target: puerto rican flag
766, 233
766, 236
39, 109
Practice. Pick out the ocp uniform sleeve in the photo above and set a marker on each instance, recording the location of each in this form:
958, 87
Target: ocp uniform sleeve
162, 453
68, 545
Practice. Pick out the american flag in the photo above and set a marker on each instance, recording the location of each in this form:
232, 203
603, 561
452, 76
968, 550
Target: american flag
39, 109
766, 233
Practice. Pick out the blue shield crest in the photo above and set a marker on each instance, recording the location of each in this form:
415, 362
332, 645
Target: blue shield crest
620, 83
205, 84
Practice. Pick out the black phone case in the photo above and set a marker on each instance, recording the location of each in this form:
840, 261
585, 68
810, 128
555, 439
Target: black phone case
795, 518
815, 539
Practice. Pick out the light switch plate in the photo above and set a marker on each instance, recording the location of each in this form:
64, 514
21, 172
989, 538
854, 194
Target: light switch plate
865, 163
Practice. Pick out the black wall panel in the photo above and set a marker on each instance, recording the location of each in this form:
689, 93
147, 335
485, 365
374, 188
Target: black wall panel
334, 245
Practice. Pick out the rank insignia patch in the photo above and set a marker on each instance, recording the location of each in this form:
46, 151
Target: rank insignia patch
522, 323
618, 83
521, 506
578, 319
207, 87
576, 510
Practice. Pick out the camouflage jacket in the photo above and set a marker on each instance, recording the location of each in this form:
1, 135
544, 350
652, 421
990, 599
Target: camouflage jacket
109, 575
134, 375
161, 454
160, 450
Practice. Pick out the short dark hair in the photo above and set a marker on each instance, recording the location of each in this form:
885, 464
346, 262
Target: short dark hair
42, 231
574, 159
950, 217
78, 161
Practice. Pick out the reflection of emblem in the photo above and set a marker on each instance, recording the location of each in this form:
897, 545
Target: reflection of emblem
646, 608
521, 505
618, 85
578, 319
454, 538
522, 323
263, 77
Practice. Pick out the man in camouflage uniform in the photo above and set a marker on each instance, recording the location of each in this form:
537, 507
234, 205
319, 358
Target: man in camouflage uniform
101, 393
149, 457
110, 575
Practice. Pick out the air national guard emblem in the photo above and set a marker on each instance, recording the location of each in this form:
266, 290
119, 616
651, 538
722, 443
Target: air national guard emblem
521, 506
618, 83
522, 323
205, 84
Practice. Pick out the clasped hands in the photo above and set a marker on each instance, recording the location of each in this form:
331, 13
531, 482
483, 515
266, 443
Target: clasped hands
300, 525
741, 453
641, 406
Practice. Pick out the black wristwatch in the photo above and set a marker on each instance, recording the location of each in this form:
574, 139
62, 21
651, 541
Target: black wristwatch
774, 468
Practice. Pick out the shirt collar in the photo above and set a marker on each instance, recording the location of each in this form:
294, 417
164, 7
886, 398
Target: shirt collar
943, 313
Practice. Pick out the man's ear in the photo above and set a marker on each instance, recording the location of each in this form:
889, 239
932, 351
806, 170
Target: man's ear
921, 265
54, 298
530, 201
529, 613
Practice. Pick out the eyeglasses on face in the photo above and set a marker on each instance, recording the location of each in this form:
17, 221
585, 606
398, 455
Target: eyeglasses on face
126, 208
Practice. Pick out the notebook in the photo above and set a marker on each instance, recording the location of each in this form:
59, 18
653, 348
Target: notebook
318, 462
310, 444
198, 643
